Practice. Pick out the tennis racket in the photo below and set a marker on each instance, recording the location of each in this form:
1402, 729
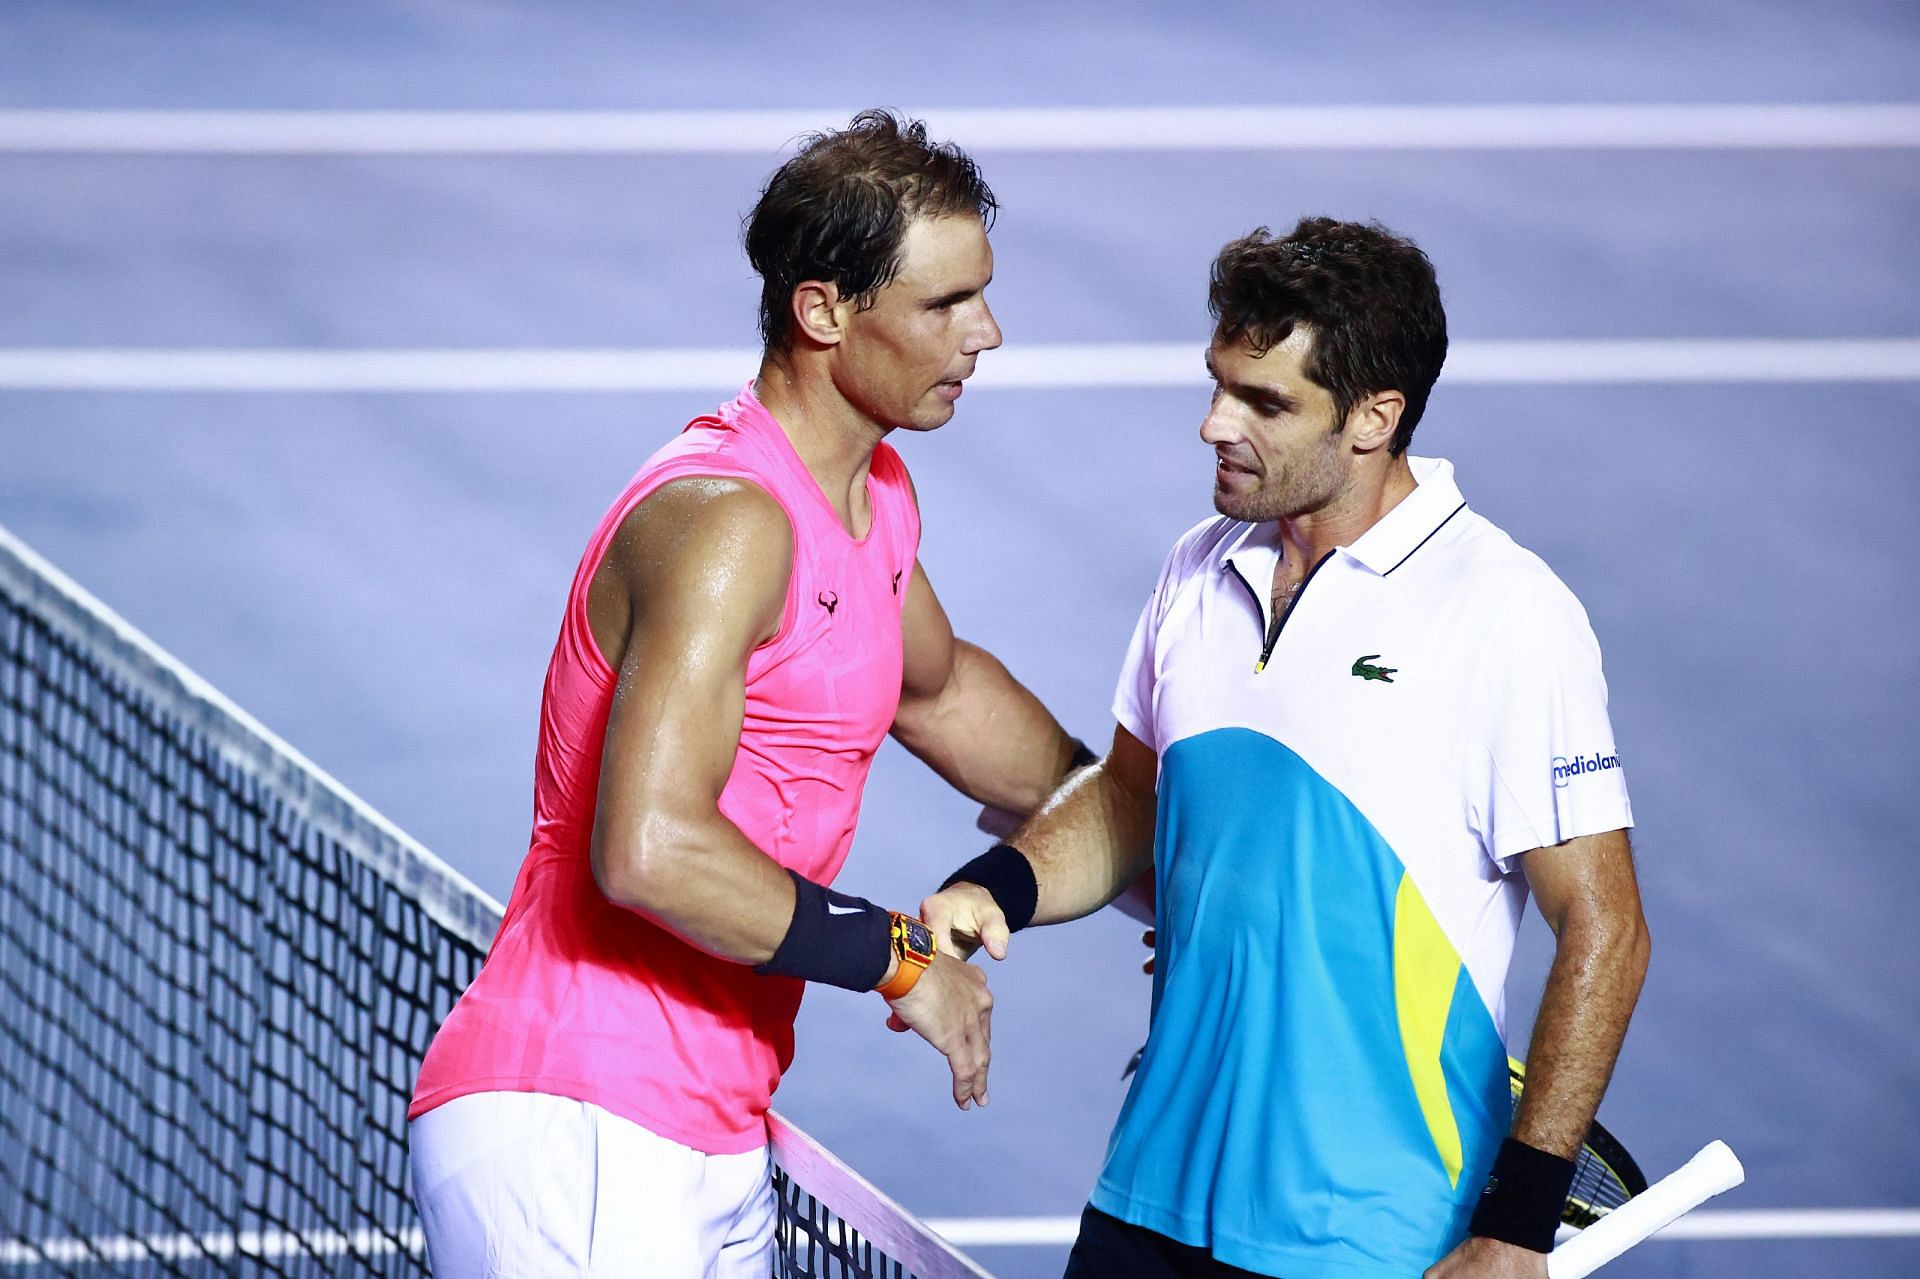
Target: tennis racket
1708, 1173
1604, 1174
1611, 1206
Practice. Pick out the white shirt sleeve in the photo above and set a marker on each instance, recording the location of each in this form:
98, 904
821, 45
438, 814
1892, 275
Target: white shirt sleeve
1133, 697
1549, 771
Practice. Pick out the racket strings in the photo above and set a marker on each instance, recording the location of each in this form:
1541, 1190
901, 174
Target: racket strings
1604, 1174
1597, 1190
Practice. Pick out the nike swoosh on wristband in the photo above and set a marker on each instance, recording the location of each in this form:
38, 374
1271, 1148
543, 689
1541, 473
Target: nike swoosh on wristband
844, 910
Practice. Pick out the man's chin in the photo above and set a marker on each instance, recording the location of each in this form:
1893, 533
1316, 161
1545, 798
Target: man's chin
1235, 506
931, 417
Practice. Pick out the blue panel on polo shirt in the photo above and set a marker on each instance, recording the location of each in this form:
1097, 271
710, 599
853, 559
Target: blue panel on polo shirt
1275, 1119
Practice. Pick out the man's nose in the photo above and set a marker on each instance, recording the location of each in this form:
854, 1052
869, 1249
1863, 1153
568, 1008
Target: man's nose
986, 335
1217, 428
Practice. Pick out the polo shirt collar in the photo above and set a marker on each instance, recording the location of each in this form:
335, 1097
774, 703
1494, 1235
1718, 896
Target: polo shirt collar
1435, 499
1399, 533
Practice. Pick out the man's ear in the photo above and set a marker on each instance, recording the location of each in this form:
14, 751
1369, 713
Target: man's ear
1374, 420
820, 314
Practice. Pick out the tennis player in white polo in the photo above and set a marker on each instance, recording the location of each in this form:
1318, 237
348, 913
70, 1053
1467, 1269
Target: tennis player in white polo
1356, 724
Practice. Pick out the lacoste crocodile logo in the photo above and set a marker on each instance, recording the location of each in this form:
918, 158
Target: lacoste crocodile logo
1362, 668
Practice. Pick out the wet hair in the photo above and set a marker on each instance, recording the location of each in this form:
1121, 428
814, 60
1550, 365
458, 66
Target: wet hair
1369, 298
840, 208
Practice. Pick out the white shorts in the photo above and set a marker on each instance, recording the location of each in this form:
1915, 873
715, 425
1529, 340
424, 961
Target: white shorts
523, 1185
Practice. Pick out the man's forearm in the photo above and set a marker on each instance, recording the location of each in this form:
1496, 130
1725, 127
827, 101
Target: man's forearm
1087, 845
699, 877
1598, 966
986, 734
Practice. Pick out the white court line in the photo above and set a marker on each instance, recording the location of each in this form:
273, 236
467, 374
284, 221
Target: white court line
962, 1232
1782, 1223
1797, 1223
1026, 367
1503, 126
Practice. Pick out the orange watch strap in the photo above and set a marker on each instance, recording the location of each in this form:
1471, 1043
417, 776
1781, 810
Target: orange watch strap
905, 974
911, 962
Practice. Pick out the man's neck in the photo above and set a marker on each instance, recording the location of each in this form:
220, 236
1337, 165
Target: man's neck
834, 440
1342, 522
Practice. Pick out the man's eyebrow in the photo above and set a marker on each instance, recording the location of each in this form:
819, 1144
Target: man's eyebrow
1250, 391
957, 295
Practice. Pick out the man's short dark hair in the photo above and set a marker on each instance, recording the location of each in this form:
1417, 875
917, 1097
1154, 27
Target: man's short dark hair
1369, 297
839, 211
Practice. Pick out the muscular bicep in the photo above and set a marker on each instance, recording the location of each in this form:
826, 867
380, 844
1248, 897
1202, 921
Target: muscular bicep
702, 568
1588, 879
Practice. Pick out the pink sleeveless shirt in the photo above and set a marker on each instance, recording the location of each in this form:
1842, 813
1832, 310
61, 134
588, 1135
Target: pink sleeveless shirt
584, 999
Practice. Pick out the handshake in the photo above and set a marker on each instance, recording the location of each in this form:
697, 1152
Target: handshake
950, 1006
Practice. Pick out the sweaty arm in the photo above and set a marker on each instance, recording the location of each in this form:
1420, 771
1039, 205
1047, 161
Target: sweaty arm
1085, 846
1587, 893
695, 579
970, 721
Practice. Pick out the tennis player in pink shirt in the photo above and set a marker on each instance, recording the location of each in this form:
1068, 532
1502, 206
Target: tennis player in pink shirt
747, 623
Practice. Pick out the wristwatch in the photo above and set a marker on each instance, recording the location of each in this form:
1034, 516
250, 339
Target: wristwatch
913, 943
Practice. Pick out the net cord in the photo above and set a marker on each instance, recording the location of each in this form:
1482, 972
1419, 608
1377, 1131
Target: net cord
885, 1224
448, 897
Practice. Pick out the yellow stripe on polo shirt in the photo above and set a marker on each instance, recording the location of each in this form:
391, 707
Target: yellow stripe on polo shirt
1426, 971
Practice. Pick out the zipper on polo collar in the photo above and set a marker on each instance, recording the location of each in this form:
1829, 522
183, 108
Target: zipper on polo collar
1273, 635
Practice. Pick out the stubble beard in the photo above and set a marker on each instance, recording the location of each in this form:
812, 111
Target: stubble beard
1311, 484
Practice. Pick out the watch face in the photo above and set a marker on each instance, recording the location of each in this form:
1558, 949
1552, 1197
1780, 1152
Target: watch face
918, 937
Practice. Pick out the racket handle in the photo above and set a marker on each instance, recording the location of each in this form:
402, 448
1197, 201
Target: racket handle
1707, 1174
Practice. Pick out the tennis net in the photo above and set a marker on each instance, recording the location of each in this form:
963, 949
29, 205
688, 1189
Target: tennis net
218, 971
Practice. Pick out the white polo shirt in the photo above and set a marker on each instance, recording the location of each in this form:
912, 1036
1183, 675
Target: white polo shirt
1325, 1084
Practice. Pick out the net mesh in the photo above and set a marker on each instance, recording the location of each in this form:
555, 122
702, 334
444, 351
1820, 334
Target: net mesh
218, 972
814, 1240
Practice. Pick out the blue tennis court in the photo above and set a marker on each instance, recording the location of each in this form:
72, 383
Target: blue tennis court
1687, 372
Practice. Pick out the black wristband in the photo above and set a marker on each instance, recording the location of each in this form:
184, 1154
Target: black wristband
834, 938
1082, 756
1524, 1197
1007, 875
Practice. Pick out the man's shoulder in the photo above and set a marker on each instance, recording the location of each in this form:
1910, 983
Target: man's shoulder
1485, 551
1516, 589
717, 513
701, 524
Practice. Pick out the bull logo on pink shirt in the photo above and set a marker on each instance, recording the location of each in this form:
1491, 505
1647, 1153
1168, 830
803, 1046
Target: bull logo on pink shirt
828, 600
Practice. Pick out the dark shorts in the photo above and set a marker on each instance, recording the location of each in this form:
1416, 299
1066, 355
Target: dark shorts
1109, 1248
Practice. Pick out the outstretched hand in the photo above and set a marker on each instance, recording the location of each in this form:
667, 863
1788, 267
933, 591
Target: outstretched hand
951, 1008
962, 919
965, 918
